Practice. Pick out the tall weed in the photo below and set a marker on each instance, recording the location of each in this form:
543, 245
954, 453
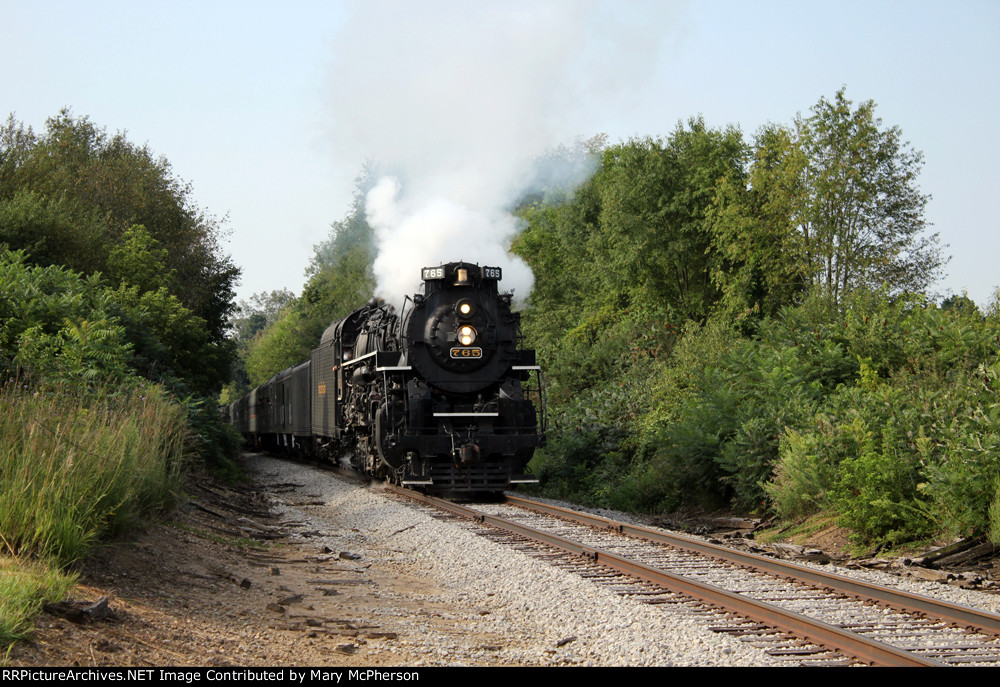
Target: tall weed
74, 465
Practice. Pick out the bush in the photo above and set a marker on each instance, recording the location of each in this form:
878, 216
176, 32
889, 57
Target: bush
994, 516
808, 464
876, 492
56, 324
912, 452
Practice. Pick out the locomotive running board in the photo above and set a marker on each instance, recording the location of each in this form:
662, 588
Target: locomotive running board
412, 483
524, 481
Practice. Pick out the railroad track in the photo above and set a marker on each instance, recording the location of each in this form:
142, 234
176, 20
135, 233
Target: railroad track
810, 616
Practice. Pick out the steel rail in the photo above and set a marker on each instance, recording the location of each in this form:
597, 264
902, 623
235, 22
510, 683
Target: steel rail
960, 616
829, 636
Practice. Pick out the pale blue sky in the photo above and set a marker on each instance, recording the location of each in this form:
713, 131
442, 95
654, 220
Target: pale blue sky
269, 108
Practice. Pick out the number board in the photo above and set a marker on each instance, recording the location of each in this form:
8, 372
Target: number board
429, 273
460, 353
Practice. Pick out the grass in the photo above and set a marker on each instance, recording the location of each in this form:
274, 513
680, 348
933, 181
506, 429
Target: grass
798, 530
806, 531
25, 586
75, 466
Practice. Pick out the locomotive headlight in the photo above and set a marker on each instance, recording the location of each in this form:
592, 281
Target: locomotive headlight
466, 335
464, 308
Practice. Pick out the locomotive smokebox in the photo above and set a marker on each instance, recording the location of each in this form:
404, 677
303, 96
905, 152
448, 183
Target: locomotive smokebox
469, 453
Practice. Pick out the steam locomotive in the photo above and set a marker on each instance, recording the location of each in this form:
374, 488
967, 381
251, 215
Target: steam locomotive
442, 397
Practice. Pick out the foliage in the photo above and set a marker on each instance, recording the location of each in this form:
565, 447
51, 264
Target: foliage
908, 448
640, 218
993, 533
57, 324
725, 324
876, 488
760, 264
831, 203
862, 214
209, 438
740, 395
250, 318
171, 344
108, 273
653, 199
91, 202
261, 310
76, 465
138, 260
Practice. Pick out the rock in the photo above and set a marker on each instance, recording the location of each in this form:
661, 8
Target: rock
81, 611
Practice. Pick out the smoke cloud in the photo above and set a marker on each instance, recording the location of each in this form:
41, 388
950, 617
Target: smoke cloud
457, 100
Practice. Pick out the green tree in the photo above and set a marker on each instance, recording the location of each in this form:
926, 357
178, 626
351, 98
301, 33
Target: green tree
963, 305
138, 260
761, 262
863, 218
257, 312
654, 196
53, 230
104, 184
624, 257
831, 203
97, 203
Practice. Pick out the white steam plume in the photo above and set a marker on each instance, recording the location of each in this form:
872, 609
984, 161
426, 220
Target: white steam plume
459, 98
433, 231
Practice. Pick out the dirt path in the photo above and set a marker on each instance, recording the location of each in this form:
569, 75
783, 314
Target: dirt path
223, 584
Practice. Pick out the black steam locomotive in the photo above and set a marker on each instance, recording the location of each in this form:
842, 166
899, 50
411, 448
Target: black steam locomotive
442, 397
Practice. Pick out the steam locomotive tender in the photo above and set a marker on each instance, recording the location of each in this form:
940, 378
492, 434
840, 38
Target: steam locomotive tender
438, 398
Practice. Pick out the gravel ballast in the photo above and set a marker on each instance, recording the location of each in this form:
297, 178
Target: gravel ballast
482, 603
546, 615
